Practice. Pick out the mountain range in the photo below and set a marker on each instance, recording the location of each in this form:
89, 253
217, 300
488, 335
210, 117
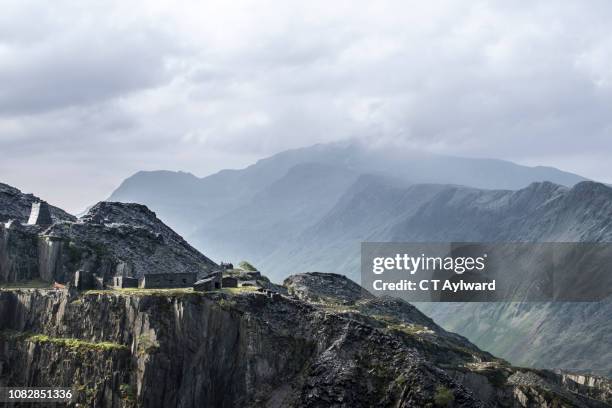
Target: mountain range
310, 208
285, 199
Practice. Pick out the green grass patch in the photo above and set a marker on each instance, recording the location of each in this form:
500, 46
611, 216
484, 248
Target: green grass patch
146, 345
30, 284
238, 290
396, 325
143, 292
247, 266
70, 343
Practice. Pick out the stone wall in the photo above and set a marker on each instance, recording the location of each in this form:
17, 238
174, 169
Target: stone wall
167, 280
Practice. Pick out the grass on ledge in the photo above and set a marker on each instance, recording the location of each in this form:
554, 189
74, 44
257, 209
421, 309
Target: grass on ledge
142, 292
70, 343
167, 292
238, 290
30, 284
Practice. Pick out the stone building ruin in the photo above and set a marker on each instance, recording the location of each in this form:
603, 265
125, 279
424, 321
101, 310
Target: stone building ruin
229, 282
125, 282
211, 282
167, 280
85, 280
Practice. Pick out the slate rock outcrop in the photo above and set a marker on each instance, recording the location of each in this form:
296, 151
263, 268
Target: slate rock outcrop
15, 205
111, 239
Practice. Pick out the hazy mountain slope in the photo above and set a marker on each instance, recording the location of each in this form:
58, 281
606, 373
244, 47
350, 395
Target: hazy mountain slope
277, 213
197, 207
542, 212
374, 209
377, 209
366, 212
575, 336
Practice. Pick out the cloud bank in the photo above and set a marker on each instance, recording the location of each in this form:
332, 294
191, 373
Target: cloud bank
94, 91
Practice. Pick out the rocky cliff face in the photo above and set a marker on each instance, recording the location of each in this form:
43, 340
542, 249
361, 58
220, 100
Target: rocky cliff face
15, 205
112, 238
18, 252
160, 348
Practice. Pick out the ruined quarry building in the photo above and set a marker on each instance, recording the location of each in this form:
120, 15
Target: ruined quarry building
40, 214
229, 282
211, 282
86, 280
167, 280
125, 282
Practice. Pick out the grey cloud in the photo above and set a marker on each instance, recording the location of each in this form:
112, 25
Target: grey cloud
77, 60
209, 85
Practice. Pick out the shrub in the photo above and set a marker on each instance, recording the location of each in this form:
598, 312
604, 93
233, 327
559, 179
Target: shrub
127, 392
147, 345
443, 397
246, 266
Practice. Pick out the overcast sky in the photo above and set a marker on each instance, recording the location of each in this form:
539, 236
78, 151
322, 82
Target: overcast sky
91, 92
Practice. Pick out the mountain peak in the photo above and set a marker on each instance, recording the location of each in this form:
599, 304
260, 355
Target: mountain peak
326, 287
591, 187
106, 212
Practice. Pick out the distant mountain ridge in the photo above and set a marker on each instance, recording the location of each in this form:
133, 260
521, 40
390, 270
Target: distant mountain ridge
292, 190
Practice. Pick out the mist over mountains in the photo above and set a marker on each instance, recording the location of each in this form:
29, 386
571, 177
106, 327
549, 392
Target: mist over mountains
282, 198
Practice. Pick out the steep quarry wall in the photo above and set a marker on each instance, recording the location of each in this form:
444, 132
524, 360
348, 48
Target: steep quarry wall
166, 351
18, 254
50, 264
26, 254
177, 348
